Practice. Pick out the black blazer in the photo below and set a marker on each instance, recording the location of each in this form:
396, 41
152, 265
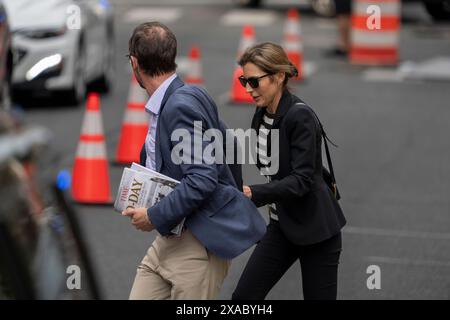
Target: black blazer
307, 210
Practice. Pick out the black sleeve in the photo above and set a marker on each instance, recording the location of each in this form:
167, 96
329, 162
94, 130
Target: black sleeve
302, 143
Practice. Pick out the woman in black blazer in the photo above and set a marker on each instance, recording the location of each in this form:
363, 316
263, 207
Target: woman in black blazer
305, 218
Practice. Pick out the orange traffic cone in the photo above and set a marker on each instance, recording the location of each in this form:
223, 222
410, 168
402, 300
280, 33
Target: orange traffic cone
90, 182
238, 92
135, 125
194, 75
375, 32
292, 41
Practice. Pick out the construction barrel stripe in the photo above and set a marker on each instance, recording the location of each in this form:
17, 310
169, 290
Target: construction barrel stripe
375, 32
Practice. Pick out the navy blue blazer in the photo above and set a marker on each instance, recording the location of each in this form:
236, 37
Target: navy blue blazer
220, 216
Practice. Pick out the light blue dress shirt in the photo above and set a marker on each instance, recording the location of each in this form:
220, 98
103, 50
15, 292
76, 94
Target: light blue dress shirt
153, 107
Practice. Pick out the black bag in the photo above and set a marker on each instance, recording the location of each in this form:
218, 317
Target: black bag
328, 176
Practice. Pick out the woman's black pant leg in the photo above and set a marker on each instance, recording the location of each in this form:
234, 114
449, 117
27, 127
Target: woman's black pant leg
269, 261
319, 263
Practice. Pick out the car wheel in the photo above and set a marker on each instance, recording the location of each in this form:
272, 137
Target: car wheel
78, 91
439, 10
324, 8
247, 3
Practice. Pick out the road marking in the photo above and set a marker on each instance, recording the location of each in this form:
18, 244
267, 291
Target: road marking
434, 69
396, 233
252, 17
382, 75
408, 262
164, 15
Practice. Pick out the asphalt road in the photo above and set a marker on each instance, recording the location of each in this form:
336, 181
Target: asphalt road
392, 163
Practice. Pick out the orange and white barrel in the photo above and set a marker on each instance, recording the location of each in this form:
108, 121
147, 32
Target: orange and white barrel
375, 32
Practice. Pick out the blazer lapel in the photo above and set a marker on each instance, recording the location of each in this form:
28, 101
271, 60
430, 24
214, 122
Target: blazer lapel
256, 121
176, 83
283, 107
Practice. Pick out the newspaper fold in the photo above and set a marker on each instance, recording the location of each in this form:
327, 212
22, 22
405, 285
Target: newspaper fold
141, 187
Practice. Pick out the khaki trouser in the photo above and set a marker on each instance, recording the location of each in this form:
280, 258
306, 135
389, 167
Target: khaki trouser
179, 268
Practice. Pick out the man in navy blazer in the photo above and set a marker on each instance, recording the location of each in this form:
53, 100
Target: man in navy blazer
220, 222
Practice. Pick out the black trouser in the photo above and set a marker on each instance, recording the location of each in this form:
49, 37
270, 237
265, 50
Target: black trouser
275, 254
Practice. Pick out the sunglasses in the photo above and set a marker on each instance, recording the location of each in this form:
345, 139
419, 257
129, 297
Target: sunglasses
252, 81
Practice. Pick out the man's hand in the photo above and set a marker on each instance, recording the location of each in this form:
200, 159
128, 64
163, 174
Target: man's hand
247, 191
139, 219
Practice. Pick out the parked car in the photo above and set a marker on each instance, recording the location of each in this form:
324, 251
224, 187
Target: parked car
61, 45
5, 59
41, 242
438, 9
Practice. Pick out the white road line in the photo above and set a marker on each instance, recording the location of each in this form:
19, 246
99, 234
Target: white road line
408, 262
164, 15
252, 17
396, 233
382, 75
434, 69
437, 68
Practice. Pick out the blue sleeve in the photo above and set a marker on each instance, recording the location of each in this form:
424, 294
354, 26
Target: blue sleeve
200, 178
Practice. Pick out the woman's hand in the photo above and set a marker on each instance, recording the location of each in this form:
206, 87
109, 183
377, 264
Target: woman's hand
247, 191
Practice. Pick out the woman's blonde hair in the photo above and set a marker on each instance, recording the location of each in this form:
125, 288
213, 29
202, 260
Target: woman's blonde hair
271, 58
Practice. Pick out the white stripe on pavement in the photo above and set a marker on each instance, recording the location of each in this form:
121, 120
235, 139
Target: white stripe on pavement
396, 233
252, 17
141, 14
382, 75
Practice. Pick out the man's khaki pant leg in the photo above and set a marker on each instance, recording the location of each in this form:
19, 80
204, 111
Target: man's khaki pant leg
148, 284
179, 268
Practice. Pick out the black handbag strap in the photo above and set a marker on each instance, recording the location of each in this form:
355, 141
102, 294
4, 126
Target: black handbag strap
327, 150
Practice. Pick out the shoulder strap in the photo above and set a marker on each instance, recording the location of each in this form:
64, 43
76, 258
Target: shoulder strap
327, 150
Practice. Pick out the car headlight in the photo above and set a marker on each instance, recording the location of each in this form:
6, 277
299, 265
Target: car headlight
44, 65
42, 33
